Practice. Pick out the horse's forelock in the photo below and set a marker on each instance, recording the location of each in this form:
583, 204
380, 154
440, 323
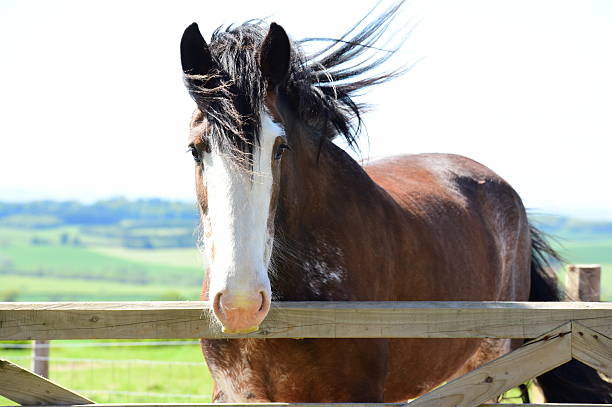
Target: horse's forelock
231, 95
321, 85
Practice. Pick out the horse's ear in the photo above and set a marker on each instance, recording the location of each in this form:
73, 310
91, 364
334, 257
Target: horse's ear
195, 55
275, 55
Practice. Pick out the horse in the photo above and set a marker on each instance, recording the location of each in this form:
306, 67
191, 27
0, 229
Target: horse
287, 214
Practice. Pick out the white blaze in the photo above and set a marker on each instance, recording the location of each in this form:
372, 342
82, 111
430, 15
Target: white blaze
238, 209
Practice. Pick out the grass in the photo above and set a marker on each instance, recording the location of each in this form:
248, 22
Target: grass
74, 272
189, 258
118, 369
22, 236
39, 253
27, 257
88, 265
66, 289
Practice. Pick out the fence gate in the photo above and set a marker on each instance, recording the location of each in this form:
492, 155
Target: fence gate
579, 330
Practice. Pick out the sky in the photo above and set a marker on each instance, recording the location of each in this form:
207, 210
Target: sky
92, 103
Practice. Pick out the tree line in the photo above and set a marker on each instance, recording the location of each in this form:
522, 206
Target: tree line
140, 212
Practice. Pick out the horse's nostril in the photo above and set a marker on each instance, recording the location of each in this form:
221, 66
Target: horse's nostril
263, 301
217, 303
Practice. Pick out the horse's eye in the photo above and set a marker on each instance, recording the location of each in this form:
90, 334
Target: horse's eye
194, 152
280, 149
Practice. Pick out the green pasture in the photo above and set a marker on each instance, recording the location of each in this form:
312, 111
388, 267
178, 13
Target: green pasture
594, 251
14, 287
51, 271
124, 234
70, 273
20, 236
119, 369
100, 271
189, 258
156, 265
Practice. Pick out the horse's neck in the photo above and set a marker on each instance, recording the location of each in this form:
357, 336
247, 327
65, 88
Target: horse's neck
327, 203
321, 185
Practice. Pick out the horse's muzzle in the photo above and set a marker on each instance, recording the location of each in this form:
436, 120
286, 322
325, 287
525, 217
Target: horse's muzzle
241, 312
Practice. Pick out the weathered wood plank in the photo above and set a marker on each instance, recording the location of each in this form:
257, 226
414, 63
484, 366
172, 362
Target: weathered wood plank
583, 282
499, 375
592, 348
27, 388
40, 358
191, 319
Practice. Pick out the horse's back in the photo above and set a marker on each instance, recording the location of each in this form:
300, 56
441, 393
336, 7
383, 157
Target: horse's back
473, 244
424, 183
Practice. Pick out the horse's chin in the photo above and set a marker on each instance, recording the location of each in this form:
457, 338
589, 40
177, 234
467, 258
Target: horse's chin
240, 331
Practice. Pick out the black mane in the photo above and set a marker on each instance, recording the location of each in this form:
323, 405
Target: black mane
322, 85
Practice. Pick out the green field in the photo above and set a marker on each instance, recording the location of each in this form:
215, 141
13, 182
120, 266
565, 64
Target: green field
122, 372
57, 289
188, 258
100, 272
60, 272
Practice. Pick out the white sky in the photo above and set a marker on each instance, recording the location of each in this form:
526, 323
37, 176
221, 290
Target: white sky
92, 103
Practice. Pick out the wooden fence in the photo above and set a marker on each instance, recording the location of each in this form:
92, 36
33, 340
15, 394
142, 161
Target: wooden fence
563, 331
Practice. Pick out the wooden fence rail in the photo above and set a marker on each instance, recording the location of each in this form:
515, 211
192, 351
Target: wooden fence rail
191, 319
562, 331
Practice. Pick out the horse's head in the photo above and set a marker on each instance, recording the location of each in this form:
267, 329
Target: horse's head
257, 93
237, 145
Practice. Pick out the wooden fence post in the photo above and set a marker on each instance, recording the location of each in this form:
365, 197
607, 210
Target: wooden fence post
583, 282
40, 358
